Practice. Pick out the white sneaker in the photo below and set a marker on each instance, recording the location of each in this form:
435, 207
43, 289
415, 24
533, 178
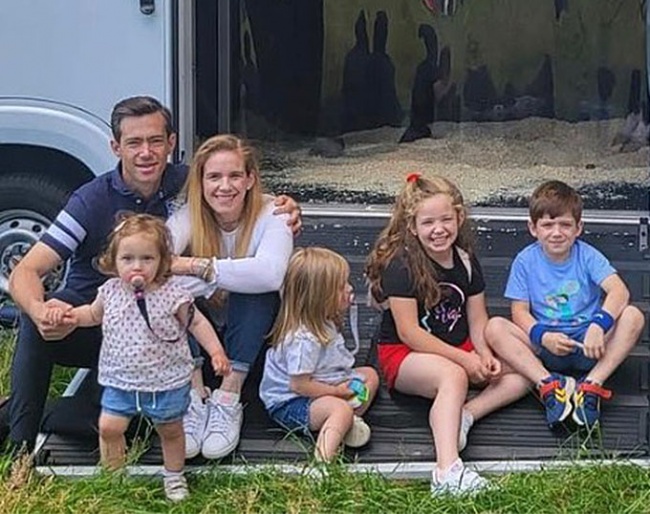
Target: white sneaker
359, 433
223, 427
176, 488
194, 423
466, 423
458, 480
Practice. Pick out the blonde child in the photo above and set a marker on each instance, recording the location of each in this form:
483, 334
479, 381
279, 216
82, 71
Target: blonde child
145, 363
431, 342
306, 385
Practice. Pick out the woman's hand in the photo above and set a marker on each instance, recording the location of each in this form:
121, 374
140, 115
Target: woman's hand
196, 266
286, 205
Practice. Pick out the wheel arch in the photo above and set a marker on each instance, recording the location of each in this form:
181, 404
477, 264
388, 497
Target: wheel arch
55, 165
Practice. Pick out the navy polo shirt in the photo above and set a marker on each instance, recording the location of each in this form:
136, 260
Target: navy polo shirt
80, 231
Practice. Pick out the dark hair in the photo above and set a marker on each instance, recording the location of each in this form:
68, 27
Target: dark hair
554, 198
129, 224
138, 106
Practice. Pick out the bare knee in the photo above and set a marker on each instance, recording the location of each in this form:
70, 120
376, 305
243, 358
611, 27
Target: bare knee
109, 429
632, 318
172, 430
496, 327
371, 377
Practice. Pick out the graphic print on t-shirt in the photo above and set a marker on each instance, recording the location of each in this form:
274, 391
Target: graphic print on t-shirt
442, 318
559, 304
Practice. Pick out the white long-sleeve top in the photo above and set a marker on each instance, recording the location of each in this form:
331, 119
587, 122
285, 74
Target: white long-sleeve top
263, 268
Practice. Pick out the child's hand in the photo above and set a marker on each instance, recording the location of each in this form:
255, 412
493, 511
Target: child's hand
492, 365
594, 342
220, 363
557, 343
52, 322
475, 368
54, 315
343, 390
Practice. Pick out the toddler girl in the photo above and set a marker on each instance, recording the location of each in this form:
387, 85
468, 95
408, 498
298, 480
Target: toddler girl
145, 363
309, 377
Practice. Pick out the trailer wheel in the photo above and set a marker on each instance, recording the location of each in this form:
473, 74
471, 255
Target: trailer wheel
28, 204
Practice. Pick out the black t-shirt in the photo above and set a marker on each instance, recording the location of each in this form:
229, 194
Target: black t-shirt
448, 318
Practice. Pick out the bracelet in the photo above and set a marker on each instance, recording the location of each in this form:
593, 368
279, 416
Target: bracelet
603, 319
536, 333
201, 268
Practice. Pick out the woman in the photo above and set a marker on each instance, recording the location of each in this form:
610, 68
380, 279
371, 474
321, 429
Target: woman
242, 249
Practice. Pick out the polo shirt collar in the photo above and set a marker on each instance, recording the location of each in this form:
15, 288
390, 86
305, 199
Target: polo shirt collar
168, 184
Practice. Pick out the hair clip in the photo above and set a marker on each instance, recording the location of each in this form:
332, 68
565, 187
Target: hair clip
412, 177
119, 226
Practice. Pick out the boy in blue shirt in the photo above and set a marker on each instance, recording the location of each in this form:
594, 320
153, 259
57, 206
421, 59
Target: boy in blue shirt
570, 310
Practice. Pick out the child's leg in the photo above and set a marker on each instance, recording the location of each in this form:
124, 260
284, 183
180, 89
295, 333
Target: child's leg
372, 383
432, 376
509, 387
512, 346
332, 417
622, 339
112, 444
172, 441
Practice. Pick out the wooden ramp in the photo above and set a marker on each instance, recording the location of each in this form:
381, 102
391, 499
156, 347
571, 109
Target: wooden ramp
400, 430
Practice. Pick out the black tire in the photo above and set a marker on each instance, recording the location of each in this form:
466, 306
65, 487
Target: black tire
28, 204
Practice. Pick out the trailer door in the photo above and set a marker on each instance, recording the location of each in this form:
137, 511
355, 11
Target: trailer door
86, 53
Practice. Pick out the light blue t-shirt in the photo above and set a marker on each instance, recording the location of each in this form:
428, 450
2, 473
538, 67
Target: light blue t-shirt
302, 354
562, 295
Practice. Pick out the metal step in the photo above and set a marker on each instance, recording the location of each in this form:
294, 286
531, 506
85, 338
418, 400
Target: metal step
401, 435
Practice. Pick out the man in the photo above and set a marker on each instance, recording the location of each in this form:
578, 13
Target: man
142, 182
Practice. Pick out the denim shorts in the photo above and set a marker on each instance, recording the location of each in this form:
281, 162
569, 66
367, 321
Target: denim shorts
574, 361
161, 407
293, 415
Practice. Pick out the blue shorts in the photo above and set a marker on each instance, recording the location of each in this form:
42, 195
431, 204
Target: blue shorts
293, 415
574, 361
161, 407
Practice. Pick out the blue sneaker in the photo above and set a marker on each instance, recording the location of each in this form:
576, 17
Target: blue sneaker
586, 403
556, 392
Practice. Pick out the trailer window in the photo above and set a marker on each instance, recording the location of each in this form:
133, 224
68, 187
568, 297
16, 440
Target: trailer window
346, 98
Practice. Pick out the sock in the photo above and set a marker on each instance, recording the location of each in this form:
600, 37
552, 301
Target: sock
468, 415
169, 474
442, 473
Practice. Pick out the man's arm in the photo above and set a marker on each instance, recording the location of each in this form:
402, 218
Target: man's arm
26, 288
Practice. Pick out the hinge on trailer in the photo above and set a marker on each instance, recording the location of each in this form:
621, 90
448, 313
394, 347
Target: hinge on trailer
643, 234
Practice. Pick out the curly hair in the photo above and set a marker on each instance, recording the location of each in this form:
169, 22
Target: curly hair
130, 224
399, 237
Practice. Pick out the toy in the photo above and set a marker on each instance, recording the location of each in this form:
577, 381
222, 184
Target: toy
360, 391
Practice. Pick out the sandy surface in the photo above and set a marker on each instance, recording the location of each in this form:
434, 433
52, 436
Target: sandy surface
491, 162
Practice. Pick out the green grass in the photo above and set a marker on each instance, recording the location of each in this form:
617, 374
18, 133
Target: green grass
595, 489
61, 376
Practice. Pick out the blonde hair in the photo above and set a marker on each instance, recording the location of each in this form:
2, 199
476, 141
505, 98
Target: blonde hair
311, 294
144, 225
398, 236
205, 239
